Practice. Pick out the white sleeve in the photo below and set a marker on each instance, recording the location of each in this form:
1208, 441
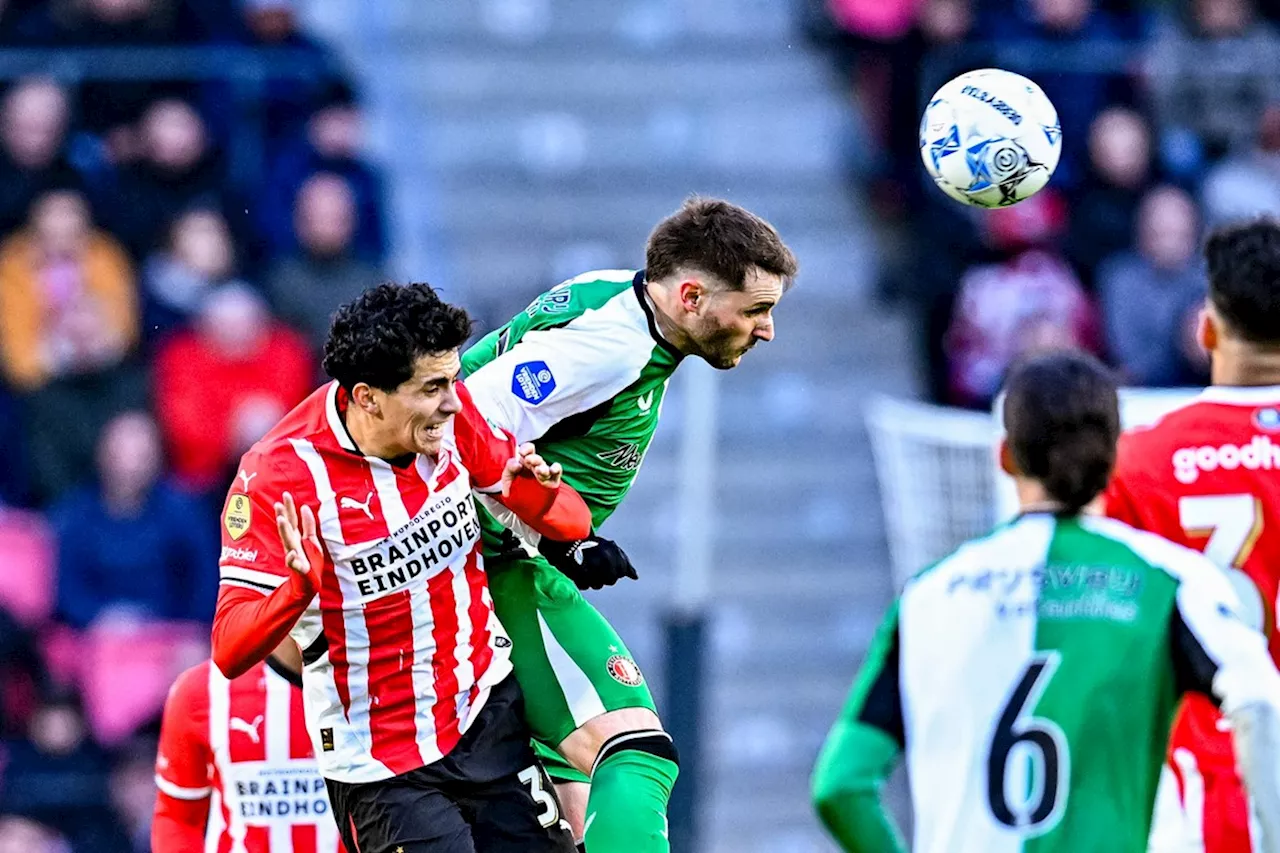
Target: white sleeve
1214, 648
553, 374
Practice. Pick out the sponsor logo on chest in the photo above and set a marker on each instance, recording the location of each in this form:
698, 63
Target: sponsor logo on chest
445, 529
284, 793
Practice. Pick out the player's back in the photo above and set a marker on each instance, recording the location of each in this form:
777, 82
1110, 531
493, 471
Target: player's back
1037, 687
1207, 475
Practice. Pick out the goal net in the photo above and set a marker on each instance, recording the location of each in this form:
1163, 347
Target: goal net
938, 477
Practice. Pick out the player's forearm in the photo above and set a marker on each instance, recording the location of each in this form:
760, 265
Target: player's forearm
854, 763
178, 825
555, 513
1255, 729
247, 626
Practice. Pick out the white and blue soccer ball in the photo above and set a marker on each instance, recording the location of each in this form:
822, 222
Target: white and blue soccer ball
990, 138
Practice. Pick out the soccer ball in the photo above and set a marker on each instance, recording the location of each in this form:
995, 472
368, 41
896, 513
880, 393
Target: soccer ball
990, 138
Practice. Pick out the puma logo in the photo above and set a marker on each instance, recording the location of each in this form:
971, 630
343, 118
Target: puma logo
351, 503
245, 478
645, 402
251, 729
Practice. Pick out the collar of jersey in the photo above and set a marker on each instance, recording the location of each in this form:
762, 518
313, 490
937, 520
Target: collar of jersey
637, 285
1241, 395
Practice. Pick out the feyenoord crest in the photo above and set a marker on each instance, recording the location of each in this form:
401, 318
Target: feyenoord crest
624, 671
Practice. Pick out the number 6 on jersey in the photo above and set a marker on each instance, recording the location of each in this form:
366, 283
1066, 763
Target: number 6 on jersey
1028, 762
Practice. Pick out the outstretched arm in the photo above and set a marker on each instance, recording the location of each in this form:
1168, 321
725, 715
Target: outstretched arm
860, 752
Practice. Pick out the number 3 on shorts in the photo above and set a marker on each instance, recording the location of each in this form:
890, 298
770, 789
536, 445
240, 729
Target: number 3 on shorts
548, 808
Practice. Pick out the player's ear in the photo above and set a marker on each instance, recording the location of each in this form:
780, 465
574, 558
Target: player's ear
362, 395
1005, 455
1207, 329
692, 293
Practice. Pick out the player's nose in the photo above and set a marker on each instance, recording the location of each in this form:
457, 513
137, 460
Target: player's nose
764, 330
451, 404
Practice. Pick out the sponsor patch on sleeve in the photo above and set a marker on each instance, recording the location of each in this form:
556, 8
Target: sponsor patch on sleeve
533, 382
238, 516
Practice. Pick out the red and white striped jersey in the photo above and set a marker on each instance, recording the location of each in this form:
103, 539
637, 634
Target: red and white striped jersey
244, 745
401, 645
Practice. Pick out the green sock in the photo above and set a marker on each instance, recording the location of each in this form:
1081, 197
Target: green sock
630, 787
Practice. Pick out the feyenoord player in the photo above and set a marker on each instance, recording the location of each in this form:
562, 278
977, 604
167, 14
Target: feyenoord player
235, 770
1031, 677
1208, 476
351, 527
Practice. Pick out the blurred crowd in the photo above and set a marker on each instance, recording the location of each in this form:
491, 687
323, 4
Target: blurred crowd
159, 311
1170, 111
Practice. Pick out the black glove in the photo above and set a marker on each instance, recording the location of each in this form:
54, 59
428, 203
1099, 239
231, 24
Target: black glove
591, 563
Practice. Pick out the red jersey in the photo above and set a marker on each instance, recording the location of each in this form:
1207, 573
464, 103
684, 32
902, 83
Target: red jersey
240, 749
400, 642
1207, 475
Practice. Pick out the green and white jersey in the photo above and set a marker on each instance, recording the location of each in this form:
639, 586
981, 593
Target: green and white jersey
1032, 678
582, 372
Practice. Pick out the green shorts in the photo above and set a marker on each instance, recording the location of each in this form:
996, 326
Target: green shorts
571, 664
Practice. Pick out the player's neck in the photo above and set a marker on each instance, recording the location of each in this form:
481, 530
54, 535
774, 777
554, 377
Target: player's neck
370, 436
1237, 364
657, 297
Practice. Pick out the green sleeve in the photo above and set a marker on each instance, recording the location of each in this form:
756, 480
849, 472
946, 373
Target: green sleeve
861, 750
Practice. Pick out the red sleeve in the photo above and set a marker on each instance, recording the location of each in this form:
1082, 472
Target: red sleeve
1119, 503
183, 771
261, 598
485, 449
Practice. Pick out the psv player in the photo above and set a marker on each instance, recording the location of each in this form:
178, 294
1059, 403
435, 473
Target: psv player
235, 770
351, 527
1207, 475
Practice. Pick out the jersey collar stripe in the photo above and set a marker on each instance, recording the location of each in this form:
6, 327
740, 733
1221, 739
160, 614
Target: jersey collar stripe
334, 417
444, 637
392, 727
1242, 395
637, 287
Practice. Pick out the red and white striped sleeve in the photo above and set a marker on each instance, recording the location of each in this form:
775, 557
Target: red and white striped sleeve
260, 598
184, 765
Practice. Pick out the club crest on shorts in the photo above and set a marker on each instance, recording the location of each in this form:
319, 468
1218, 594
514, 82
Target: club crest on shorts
238, 516
624, 671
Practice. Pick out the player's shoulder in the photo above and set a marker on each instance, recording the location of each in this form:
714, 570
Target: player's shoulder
310, 421
1180, 563
190, 690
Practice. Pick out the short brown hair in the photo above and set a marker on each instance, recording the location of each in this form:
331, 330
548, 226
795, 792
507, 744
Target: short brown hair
720, 239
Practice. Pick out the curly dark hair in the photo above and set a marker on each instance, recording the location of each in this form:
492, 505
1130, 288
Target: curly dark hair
1244, 277
378, 336
718, 238
1062, 420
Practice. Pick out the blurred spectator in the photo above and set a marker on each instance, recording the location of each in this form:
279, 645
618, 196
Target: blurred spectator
109, 107
131, 542
1213, 71
1008, 309
57, 771
308, 285
178, 170
1151, 296
1247, 183
133, 791
33, 129
220, 386
68, 319
287, 101
1078, 95
22, 674
21, 835
200, 256
332, 142
1119, 170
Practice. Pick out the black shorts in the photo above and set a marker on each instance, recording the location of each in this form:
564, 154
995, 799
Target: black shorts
471, 801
